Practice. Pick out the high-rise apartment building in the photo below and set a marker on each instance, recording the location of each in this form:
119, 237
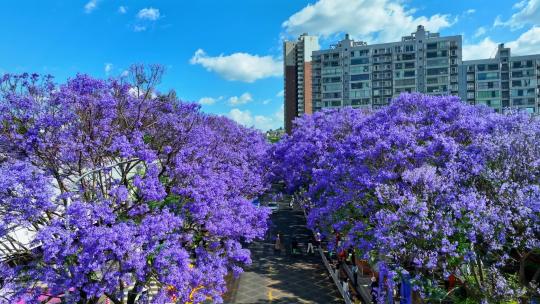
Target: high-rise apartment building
502, 82
297, 71
353, 73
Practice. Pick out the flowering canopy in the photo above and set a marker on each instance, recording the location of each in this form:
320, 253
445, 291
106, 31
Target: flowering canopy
428, 185
124, 190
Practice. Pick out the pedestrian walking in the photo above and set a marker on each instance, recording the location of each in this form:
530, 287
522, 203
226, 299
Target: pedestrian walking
355, 274
310, 246
318, 239
291, 202
294, 245
374, 289
277, 244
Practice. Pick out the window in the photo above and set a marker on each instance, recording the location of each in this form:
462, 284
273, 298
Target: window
409, 65
363, 53
437, 71
435, 80
444, 45
523, 73
359, 77
487, 76
405, 82
358, 102
487, 94
359, 85
401, 90
443, 53
437, 61
488, 85
332, 87
359, 69
332, 95
331, 71
359, 61
431, 46
437, 89
360, 93
331, 79
522, 93
493, 67
409, 74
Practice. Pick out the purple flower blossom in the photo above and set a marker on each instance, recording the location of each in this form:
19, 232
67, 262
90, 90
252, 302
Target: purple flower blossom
430, 184
123, 192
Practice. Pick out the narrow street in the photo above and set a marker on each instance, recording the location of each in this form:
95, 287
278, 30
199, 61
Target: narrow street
280, 277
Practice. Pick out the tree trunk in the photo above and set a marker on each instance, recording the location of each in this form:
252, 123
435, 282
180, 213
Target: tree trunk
522, 277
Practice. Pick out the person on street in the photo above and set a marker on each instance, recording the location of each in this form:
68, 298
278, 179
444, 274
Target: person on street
277, 244
374, 289
310, 246
355, 274
294, 245
318, 239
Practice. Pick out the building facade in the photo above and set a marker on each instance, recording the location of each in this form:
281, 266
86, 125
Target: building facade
502, 82
353, 73
298, 77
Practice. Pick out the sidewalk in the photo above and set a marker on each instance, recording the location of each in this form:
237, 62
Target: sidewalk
280, 277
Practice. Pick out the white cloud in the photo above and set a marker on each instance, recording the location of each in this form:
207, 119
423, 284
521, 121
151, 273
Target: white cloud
108, 68
260, 122
484, 49
528, 14
124, 73
498, 21
240, 100
122, 9
239, 66
266, 101
280, 93
520, 4
527, 43
150, 13
209, 100
90, 6
470, 11
480, 32
372, 20
139, 28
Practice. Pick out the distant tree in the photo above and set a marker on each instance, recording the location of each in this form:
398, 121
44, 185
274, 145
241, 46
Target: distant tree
122, 189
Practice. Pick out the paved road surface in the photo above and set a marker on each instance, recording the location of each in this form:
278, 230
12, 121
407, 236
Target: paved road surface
282, 278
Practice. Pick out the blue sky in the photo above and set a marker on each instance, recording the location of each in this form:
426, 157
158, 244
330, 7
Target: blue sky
227, 54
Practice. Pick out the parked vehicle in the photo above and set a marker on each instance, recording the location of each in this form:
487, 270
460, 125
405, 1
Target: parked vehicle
273, 206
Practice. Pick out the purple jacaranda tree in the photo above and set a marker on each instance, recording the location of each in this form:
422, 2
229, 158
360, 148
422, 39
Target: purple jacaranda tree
122, 191
429, 186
